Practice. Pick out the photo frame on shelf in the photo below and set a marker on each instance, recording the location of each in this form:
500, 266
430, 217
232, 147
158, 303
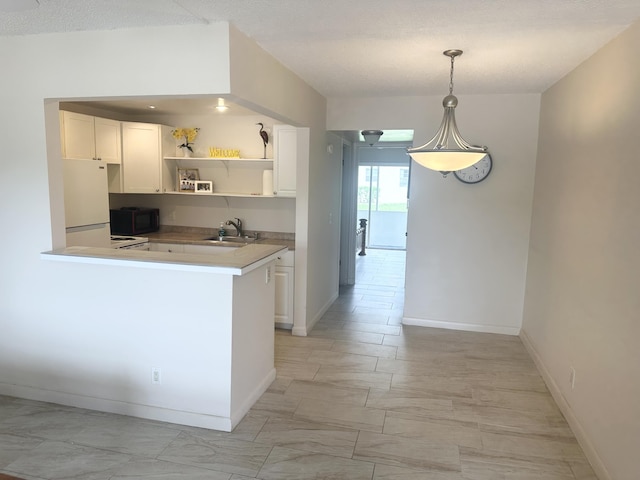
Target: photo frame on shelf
186, 178
203, 186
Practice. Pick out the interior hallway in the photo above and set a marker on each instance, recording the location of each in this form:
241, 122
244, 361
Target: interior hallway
360, 398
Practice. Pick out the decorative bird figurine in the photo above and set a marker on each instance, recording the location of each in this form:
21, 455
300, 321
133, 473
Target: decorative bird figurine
265, 138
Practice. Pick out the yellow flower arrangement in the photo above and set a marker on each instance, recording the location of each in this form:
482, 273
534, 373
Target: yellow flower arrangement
189, 135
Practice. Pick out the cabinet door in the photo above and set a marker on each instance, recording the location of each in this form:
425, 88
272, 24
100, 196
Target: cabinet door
78, 137
141, 157
284, 296
285, 147
108, 143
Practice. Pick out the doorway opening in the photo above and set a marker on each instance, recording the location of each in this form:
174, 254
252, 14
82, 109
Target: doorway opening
375, 185
382, 201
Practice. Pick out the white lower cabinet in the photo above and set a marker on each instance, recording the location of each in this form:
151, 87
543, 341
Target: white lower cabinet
166, 247
284, 278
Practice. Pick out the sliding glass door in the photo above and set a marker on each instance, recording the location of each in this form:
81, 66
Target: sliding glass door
382, 200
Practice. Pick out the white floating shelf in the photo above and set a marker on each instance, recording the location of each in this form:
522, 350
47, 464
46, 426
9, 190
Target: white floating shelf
221, 194
265, 160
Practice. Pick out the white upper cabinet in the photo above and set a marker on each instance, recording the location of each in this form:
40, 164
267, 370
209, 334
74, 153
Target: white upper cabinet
142, 148
285, 153
84, 137
108, 140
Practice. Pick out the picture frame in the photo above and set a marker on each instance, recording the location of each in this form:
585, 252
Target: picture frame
203, 186
186, 178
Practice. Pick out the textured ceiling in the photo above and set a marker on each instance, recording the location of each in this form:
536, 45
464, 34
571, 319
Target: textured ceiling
378, 47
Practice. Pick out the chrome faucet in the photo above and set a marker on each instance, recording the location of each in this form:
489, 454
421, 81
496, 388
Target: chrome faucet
237, 225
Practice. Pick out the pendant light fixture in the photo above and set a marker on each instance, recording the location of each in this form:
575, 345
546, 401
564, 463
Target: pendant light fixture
371, 136
447, 151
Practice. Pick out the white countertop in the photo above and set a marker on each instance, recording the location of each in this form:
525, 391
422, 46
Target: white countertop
237, 261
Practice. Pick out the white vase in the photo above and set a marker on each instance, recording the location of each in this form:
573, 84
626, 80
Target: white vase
186, 153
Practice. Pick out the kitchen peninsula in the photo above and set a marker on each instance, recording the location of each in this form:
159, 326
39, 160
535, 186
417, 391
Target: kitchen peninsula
194, 346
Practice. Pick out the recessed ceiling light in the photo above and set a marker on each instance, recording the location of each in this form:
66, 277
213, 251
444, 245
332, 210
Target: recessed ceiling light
18, 5
152, 107
221, 107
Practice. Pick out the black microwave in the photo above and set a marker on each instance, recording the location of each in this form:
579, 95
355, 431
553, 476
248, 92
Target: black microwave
134, 220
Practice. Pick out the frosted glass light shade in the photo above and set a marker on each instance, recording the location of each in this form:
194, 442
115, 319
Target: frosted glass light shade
447, 161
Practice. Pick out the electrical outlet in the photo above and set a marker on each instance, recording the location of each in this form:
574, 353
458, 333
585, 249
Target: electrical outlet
572, 377
156, 376
267, 276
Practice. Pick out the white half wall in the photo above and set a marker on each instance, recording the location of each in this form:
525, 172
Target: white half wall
582, 308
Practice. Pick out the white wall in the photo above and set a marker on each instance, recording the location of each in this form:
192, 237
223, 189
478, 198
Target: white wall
467, 244
582, 307
260, 80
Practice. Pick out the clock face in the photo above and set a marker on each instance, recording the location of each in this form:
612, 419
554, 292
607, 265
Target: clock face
476, 172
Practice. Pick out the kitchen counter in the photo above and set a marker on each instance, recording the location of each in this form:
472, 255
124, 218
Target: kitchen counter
234, 260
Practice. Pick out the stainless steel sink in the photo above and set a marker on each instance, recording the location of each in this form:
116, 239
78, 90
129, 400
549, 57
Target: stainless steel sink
226, 240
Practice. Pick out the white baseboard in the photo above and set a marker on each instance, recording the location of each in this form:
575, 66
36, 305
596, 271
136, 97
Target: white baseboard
303, 331
238, 414
590, 452
470, 327
180, 417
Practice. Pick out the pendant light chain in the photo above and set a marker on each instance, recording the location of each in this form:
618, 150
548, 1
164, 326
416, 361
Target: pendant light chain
451, 76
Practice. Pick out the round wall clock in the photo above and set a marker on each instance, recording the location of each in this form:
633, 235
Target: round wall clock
476, 172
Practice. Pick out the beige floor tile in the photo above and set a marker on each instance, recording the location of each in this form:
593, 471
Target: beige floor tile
406, 452
372, 328
296, 370
225, 455
389, 472
309, 436
559, 447
348, 378
280, 384
410, 403
289, 464
482, 463
432, 386
303, 342
582, 471
433, 430
343, 415
289, 353
521, 401
381, 351
370, 317
348, 336
271, 404
326, 392
343, 361
511, 419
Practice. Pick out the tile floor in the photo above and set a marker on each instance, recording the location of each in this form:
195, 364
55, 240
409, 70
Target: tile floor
360, 398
